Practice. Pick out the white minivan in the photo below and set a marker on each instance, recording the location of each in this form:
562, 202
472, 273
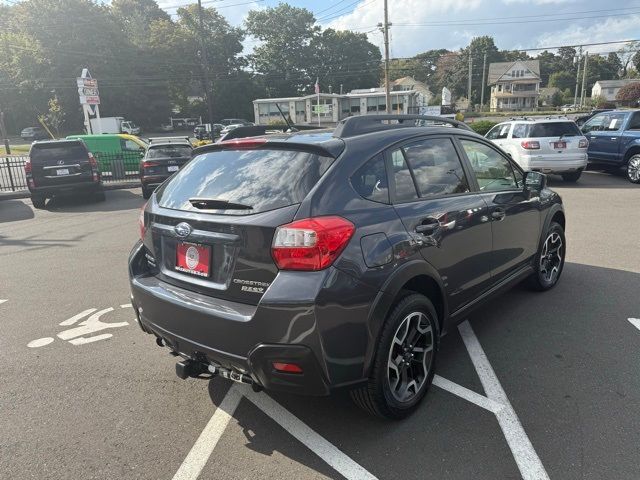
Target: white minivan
547, 145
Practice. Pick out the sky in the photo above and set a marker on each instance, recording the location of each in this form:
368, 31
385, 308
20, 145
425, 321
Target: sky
420, 25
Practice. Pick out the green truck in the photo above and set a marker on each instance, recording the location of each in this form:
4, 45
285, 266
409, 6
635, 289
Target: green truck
118, 155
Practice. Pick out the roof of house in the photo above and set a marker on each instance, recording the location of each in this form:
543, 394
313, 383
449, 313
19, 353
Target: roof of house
497, 70
616, 83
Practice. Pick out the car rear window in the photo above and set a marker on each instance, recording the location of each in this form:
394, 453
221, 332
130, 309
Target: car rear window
169, 151
553, 129
263, 179
58, 152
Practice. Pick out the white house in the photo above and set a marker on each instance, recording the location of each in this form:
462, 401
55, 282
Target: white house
514, 85
610, 88
335, 107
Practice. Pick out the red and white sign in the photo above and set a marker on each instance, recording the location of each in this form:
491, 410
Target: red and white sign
193, 259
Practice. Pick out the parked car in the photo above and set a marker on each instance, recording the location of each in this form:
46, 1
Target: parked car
33, 133
230, 121
166, 127
568, 108
228, 128
581, 120
61, 167
614, 141
201, 133
311, 261
163, 158
118, 154
547, 145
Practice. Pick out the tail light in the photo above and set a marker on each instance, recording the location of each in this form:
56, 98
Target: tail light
143, 227
286, 367
150, 164
310, 244
530, 145
238, 143
583, 143
92, 161
27, 166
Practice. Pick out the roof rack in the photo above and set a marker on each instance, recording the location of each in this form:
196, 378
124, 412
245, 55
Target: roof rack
352, 126
168, 140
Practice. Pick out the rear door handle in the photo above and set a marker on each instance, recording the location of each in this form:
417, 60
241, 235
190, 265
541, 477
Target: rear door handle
427, 228
613, 139
498, 214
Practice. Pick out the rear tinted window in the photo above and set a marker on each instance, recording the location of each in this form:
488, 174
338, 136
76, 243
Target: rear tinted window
58, 152
169, 152
553, 129
263, 179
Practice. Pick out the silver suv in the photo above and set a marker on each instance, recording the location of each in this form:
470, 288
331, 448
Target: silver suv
547, 145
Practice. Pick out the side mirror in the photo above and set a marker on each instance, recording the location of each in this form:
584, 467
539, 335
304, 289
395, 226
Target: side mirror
535, 181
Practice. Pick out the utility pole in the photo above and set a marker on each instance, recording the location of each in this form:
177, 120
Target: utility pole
205, 65
484, 69
575, 96
469, 82
584, 76
387, 91
3, 132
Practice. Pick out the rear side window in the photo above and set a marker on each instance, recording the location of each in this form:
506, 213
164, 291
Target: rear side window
262, 179
553, 129
499, 131
519, 130
58, 152
169, 152
370, 181
436, 167
405, 188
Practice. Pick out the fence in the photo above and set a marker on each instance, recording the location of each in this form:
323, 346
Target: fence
120, 167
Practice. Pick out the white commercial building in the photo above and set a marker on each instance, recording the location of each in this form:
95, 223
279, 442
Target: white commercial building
608, 89
335, 107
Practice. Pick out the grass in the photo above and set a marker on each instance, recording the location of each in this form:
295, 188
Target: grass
15, 149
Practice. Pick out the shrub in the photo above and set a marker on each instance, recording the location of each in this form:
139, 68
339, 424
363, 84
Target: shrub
482, 127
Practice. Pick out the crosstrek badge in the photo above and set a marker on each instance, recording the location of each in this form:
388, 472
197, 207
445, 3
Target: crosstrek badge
193, 259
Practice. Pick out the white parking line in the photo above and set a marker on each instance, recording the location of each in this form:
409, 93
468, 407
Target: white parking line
208, 439
339, 461
468, 395
635, 322
526, 458
2, 301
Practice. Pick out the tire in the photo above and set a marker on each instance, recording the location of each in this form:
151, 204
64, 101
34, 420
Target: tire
633, 168
548, 267
146, 193
100, 196
379, 397
38, 202
571, 177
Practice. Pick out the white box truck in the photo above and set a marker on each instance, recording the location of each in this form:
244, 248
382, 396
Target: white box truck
114, 125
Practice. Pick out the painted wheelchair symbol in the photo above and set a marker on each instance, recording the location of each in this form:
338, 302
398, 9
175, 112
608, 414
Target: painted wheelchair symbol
83, 332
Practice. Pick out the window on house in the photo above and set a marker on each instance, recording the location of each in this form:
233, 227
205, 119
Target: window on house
372, 104
355, 105
300, 109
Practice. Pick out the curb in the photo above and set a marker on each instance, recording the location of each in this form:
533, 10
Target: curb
108, 186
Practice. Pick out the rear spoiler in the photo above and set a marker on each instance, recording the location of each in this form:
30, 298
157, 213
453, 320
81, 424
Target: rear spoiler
260, 130
168, 140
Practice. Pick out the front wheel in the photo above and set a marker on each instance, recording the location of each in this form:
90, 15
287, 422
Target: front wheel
571, 177
550, 259
38, 202
633, 169
405, 360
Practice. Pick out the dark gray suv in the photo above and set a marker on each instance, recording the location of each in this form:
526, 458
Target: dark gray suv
309, 262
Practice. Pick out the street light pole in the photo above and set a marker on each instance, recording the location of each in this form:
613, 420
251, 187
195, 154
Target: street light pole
387, 91
205, 65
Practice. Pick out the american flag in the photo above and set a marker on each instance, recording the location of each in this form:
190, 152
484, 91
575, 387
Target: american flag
317, 86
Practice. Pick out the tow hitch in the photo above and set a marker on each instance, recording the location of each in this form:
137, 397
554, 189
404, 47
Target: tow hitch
192, 368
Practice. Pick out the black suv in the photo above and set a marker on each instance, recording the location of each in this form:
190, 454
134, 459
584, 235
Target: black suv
162, 159
60, 167
307, 262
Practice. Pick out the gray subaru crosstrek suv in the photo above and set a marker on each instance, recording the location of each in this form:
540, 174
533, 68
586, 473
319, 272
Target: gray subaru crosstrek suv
314, 261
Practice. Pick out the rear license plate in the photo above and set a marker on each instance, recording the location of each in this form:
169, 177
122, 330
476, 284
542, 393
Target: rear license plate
172, 168
193, 259
559, 144
62, 171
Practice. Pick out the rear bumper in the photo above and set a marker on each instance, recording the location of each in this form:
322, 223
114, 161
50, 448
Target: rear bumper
560, 163
153, 180
67, 188
290, 324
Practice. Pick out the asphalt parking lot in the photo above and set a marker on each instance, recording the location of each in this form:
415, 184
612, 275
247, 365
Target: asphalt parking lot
533, 386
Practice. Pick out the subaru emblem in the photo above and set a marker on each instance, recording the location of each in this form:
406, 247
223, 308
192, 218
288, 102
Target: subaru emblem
183, 230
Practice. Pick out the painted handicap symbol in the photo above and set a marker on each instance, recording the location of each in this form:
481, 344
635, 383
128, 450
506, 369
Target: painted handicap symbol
84, 332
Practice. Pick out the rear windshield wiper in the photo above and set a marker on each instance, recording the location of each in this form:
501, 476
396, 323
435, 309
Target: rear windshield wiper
218, 204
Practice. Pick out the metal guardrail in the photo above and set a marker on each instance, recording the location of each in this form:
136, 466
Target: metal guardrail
115, 167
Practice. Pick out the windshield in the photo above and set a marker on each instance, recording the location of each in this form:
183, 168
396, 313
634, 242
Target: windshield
262, 179
553, 129
170, 151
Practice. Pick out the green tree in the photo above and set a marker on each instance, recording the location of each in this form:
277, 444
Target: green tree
283, 58
562, 80
54, 118
557, 99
